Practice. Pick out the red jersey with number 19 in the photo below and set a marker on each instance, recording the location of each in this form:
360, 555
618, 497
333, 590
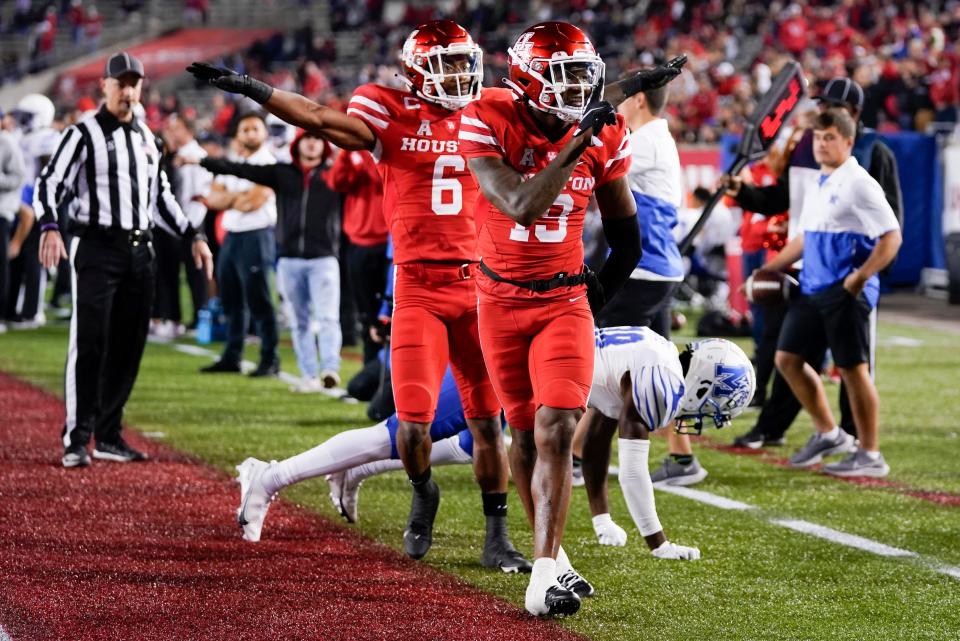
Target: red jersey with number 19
428, 192
499, 125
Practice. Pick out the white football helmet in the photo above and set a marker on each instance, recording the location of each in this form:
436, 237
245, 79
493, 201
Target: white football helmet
719, 383
34, 111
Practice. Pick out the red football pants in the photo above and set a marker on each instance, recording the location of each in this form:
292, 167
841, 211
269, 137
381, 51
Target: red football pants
537, 355
435, 323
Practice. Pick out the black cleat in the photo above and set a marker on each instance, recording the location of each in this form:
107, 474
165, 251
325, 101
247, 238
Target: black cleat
755, 439
266, 369
118, 452
221, 367
561, 602
75, 456
418, 537
498, 552
572, 581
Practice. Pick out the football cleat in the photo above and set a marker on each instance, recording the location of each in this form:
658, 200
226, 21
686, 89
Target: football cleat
571, 580
418, 537
498, 552
254, 500
550, 600
345, 493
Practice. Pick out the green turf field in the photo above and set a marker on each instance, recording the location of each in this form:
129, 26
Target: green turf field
757, 580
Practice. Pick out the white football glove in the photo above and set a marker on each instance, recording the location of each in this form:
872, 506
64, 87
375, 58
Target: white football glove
608, 532
668, 550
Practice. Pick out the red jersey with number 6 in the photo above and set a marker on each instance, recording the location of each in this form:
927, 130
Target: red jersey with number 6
499, 125
428, 192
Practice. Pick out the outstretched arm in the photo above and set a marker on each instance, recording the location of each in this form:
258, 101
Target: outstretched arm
646, 80
347, 132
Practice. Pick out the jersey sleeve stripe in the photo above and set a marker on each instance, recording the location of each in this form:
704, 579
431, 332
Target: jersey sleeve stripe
489, 140
369, 104
373, 120
473, 122
622, 154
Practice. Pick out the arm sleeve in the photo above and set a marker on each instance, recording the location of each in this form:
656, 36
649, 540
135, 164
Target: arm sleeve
623, 236
261, 174
13, 174
768, 201
883, 167
53, 179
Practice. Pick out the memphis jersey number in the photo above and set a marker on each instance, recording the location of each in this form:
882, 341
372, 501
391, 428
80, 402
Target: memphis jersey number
447, 194
617, 336
522, 234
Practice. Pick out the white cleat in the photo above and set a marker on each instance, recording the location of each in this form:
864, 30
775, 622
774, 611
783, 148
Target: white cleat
550, 599
345, 493
254, 500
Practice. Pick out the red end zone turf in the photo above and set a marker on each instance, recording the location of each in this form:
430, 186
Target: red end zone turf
151, 551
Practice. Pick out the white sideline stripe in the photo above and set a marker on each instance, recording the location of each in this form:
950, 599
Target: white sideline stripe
703, 497
193, 350
819, 531
850, 540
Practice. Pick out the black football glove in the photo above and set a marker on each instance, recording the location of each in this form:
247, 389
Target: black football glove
230, 80
655, 78
595, 295
597, 115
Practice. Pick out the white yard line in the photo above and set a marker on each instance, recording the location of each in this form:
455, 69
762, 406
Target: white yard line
812, 529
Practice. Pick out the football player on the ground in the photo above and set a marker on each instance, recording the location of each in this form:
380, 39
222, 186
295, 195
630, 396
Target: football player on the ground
428, 196
641, 383
538, 155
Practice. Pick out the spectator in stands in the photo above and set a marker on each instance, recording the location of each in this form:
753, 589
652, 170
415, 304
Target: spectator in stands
247, 256
308, 236
354, 174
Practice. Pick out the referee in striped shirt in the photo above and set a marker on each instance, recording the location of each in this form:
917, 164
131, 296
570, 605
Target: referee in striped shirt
106, 170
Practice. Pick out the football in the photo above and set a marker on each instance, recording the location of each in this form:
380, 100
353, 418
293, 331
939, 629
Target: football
769, 288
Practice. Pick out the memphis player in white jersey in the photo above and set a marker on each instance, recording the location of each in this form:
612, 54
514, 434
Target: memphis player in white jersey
642, 383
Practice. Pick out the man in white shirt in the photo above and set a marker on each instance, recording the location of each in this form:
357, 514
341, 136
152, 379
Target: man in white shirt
190, 184
248, 252
848, 234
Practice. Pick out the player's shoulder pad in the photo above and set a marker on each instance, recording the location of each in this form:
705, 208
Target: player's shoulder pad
377, 101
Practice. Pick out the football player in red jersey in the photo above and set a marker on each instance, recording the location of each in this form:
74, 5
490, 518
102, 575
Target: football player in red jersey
428, 199
539, 152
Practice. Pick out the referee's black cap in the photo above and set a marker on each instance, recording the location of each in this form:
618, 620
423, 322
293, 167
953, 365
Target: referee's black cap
121, 63
842, 91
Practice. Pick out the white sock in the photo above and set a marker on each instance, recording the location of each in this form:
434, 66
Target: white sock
873, 456
563, 561
445, 452
544, 569
343, 451
832, 434
636, 484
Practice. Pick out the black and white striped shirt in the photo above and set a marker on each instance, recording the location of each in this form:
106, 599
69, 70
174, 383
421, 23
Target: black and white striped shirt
109, 173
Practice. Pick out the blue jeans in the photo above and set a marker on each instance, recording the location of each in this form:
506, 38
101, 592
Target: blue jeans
752, 261
313, 285
243, 273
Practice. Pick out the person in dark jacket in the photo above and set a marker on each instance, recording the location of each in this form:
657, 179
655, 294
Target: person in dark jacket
308, 237
782, 407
